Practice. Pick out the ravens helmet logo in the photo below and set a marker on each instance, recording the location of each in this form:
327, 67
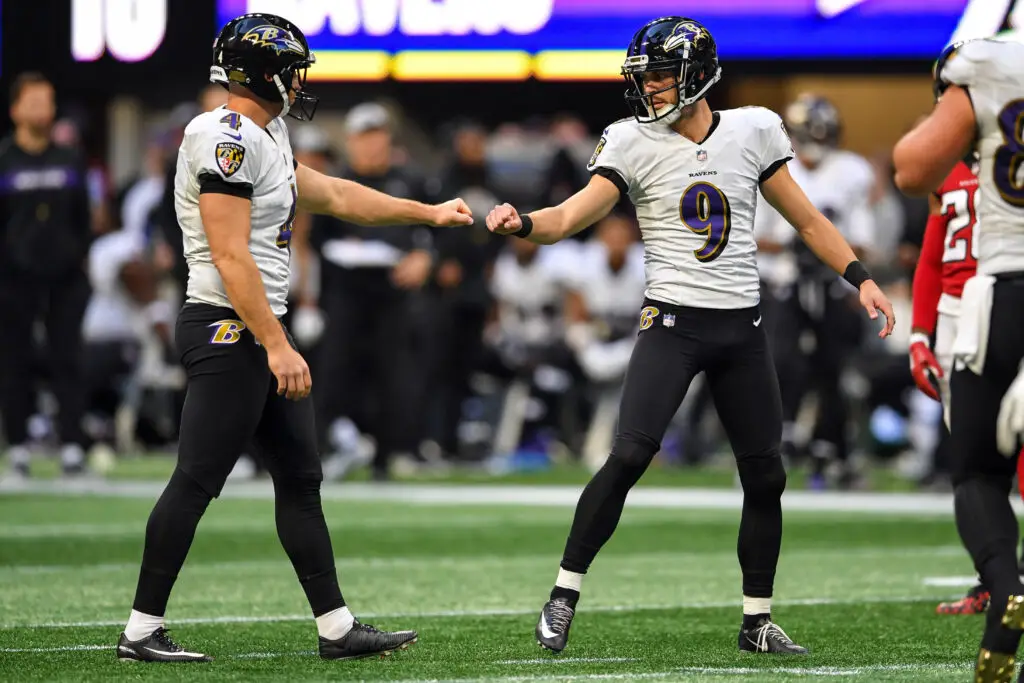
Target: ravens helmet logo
687, 33
274, 38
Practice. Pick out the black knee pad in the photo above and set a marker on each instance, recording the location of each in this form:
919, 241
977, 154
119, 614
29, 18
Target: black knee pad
763, 477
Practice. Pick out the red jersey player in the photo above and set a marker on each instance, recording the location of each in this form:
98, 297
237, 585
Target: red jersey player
948, 260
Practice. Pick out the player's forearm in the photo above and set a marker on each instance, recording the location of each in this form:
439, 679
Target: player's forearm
827, 244
365, 206
244, 288
549, 226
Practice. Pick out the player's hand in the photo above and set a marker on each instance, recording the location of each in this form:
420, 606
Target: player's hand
873, 300
291, 371
413, 270
924, 367
504, 220
452, 214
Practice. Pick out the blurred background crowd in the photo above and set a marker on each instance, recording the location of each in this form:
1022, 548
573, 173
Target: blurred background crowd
440, 349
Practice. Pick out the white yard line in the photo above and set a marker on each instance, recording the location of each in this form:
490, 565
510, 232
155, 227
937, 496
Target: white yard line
445, 614
568, 660
499, 494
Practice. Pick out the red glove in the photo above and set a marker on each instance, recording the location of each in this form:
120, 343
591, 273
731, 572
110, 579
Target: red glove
923, 366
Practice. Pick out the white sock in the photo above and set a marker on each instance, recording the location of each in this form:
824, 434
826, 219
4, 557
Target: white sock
19, 456
141, 625
570, 580
757, 605
71, 455
335, 623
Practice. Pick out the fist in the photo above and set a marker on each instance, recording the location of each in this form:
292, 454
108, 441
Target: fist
452, 214
504, 220
924, 367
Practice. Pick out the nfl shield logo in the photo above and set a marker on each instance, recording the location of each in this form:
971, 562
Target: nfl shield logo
668, 320
229, 157
702, 155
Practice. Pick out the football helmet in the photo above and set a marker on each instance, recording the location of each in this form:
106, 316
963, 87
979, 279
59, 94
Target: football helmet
814, 125
677, 44
264, 52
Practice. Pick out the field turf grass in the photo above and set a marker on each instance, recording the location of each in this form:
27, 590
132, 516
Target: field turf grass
660, 603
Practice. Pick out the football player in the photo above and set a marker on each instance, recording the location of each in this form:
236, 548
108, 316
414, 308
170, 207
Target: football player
839, 183
693, 175
981, 106
237, 187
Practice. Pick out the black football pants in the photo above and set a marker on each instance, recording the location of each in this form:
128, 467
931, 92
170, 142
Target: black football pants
675, 343
982, 476
232, 401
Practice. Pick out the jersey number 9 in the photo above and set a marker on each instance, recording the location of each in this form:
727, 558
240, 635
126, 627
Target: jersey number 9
1006, 169
284, 235
704, 209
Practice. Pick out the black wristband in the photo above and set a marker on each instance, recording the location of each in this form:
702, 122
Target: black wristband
856, 274
527, 226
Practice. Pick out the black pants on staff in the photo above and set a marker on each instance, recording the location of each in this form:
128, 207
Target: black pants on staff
823, 309
231, 402
368, 370
60, 303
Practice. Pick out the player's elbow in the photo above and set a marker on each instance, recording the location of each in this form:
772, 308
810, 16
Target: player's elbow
910, 177
912, 182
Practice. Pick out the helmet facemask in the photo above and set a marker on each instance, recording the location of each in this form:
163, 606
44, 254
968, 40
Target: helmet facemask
688, 86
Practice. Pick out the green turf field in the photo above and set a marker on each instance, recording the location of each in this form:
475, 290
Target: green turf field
660, 603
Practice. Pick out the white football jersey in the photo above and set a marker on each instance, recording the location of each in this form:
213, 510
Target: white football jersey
112, 313
840, 187
531, 296
696, 202
225, 152
992, 72
612, 298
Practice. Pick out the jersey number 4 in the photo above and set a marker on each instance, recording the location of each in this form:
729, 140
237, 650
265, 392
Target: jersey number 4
957, 205
704, 210
284, 234
1009, 157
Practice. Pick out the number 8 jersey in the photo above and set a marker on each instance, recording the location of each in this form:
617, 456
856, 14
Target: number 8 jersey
227, 153
991, 72
695, 202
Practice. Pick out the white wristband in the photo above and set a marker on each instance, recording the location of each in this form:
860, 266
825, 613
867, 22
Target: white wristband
916, 337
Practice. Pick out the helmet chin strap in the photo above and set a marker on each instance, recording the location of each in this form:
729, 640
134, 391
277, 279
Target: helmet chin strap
284, 95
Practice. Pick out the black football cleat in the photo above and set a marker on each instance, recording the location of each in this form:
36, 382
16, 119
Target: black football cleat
158, 647
554, 624
366, 641
768, 637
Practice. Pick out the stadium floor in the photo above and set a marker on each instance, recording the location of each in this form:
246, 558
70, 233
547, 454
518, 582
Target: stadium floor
470, 566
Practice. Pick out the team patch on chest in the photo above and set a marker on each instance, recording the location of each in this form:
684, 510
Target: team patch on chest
229, 157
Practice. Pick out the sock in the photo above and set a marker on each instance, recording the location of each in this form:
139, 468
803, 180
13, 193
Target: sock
141, 625
567, 586
71, 456
19, 456
756, 609
335, 624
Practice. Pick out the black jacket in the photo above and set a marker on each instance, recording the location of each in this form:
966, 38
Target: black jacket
44, 208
